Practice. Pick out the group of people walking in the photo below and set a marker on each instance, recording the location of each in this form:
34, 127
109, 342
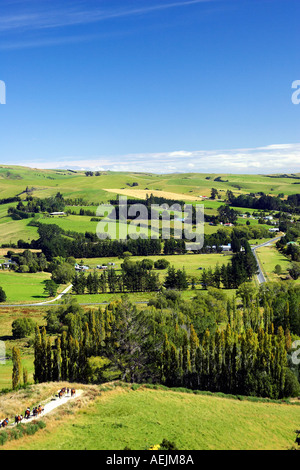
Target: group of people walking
37, 410
65, 391
4, 423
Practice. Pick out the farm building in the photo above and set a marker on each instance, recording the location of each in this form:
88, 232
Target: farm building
81, 268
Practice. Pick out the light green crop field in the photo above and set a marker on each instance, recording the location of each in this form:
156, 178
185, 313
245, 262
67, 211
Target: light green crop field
138, 419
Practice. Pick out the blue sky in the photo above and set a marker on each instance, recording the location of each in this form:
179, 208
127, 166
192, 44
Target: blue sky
151, 85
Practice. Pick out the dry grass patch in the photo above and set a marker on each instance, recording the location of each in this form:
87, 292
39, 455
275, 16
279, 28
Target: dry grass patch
13, 403
141, 194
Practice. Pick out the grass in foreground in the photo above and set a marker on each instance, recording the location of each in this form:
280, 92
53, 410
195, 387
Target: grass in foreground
141, 418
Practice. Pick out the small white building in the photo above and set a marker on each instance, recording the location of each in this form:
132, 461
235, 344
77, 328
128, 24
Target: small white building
226, 247
81, 268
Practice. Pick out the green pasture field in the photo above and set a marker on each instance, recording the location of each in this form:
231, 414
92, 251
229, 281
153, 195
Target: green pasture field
13, 230
82, 224
139, 419
259, 241
23, 287
269, 257
140, 296
107, 297
191, 262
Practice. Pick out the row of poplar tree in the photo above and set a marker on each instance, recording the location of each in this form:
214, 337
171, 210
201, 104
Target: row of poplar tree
134, 277
167, 346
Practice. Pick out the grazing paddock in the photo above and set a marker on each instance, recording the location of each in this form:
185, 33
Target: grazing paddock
23, 287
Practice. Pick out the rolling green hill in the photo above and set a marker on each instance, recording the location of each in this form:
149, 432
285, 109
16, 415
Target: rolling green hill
138, 417
14, 180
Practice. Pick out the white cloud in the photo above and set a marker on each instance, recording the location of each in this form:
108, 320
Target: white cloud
74, 14
269, 159
31, 23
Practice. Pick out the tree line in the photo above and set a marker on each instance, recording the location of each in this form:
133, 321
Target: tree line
265, 202
242, 268
134, 277
210, 343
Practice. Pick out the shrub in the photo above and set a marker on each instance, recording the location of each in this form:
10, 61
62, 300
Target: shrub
22, 327
3, 437
168, 445
292, 386
31, 428
2, 295
277, 269
23, 268
135, 387
161, 264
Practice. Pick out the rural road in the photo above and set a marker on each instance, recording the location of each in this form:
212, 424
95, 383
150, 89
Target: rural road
58, 297
47, 302
260, 276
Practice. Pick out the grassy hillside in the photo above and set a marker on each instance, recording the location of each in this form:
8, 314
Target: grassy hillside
121, 417
14, 180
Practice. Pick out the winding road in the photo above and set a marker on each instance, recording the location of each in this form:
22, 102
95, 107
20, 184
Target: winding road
260, 276
47, 302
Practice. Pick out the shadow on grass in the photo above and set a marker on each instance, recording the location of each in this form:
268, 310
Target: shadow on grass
6, 338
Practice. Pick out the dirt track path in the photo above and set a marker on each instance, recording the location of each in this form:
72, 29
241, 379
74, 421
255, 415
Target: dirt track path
52, 405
